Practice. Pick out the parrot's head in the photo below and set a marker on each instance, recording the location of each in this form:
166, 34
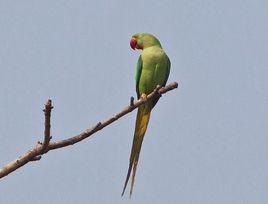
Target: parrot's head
143, 40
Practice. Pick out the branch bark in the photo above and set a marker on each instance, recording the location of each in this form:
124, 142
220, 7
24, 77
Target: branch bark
42, 148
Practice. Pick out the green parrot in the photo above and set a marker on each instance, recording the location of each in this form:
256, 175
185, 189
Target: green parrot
152, 69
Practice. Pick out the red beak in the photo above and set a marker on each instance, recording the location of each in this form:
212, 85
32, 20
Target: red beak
133, 43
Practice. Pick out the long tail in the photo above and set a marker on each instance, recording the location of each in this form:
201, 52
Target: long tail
142, 121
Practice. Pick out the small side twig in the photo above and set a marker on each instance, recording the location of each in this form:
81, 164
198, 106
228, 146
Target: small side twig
131, 101
47, 112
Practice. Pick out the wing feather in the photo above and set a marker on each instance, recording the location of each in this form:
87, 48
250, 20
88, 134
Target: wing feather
138, 75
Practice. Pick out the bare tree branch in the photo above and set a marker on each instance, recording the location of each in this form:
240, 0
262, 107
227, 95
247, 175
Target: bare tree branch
42, 148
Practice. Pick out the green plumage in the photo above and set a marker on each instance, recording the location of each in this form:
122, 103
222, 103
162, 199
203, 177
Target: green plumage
153, 69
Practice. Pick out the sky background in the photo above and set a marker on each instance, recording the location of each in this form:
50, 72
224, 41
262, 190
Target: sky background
207, 141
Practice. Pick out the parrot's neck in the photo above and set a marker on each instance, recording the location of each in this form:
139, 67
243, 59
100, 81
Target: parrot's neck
154, 47
151, 42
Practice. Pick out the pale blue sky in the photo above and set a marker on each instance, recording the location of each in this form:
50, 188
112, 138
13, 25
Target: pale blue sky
207, 141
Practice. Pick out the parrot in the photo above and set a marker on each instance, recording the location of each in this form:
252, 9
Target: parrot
152, 69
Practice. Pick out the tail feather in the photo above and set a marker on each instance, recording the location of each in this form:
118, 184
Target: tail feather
142, 121
134, 170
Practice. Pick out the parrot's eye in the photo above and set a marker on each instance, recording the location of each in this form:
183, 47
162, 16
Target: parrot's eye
133, 43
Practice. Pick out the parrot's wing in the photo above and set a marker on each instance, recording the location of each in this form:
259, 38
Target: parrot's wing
166, 78
168, 70
138, 76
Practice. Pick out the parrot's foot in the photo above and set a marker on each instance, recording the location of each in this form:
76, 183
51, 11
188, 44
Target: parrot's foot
143, 97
